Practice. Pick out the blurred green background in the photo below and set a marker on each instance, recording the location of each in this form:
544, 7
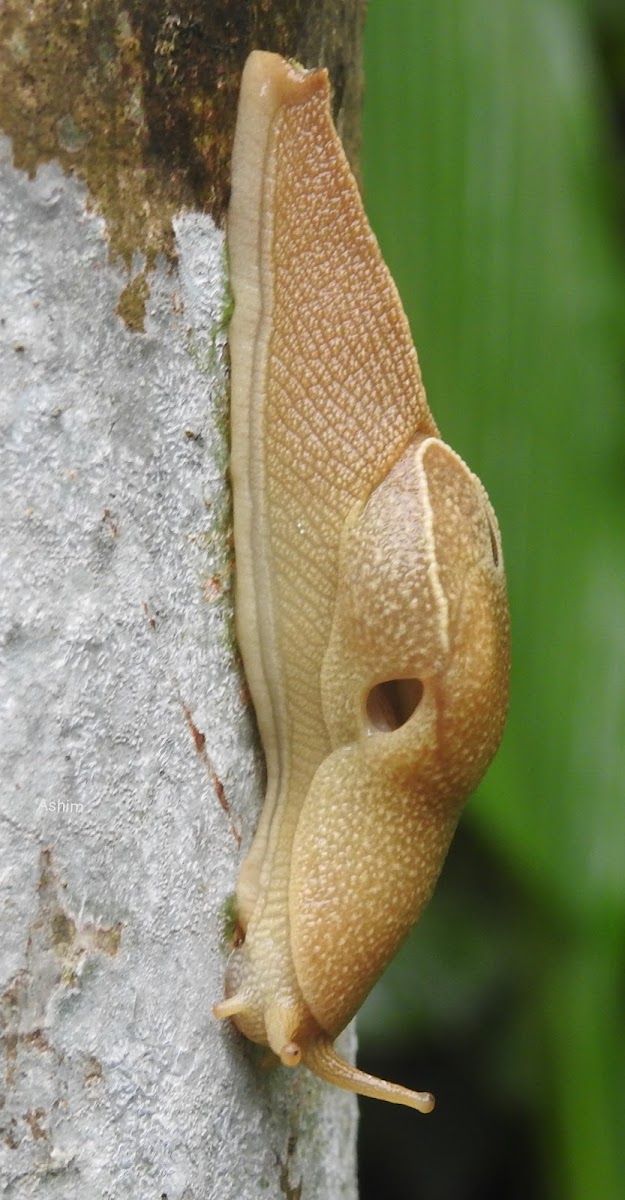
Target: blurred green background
494, 173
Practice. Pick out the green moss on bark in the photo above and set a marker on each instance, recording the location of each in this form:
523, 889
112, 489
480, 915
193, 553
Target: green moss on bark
132, 302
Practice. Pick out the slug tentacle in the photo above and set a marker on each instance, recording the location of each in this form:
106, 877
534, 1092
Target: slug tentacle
322, 1059
230, 1007
370, 597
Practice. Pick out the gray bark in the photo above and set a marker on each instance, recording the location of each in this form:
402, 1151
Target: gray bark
132, 778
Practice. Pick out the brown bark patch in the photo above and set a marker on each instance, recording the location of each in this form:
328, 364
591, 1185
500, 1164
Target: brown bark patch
139, 99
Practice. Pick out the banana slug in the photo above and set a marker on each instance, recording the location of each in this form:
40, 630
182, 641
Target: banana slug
370, 597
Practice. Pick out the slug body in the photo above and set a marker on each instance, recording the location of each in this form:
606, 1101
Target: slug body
371, 604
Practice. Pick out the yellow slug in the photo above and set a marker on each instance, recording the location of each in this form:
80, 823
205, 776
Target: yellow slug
370, 600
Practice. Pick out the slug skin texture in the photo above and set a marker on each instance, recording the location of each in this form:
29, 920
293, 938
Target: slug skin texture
370, 599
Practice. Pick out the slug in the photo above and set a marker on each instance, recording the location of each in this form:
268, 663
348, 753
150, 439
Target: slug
370, 595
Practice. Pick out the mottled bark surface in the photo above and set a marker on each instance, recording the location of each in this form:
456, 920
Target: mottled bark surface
131, 774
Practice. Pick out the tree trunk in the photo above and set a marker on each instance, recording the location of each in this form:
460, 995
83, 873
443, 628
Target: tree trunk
132, 774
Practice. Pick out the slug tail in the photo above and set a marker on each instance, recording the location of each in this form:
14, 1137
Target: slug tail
321, 1058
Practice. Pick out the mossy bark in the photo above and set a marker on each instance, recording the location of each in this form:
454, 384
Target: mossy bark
139, 99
